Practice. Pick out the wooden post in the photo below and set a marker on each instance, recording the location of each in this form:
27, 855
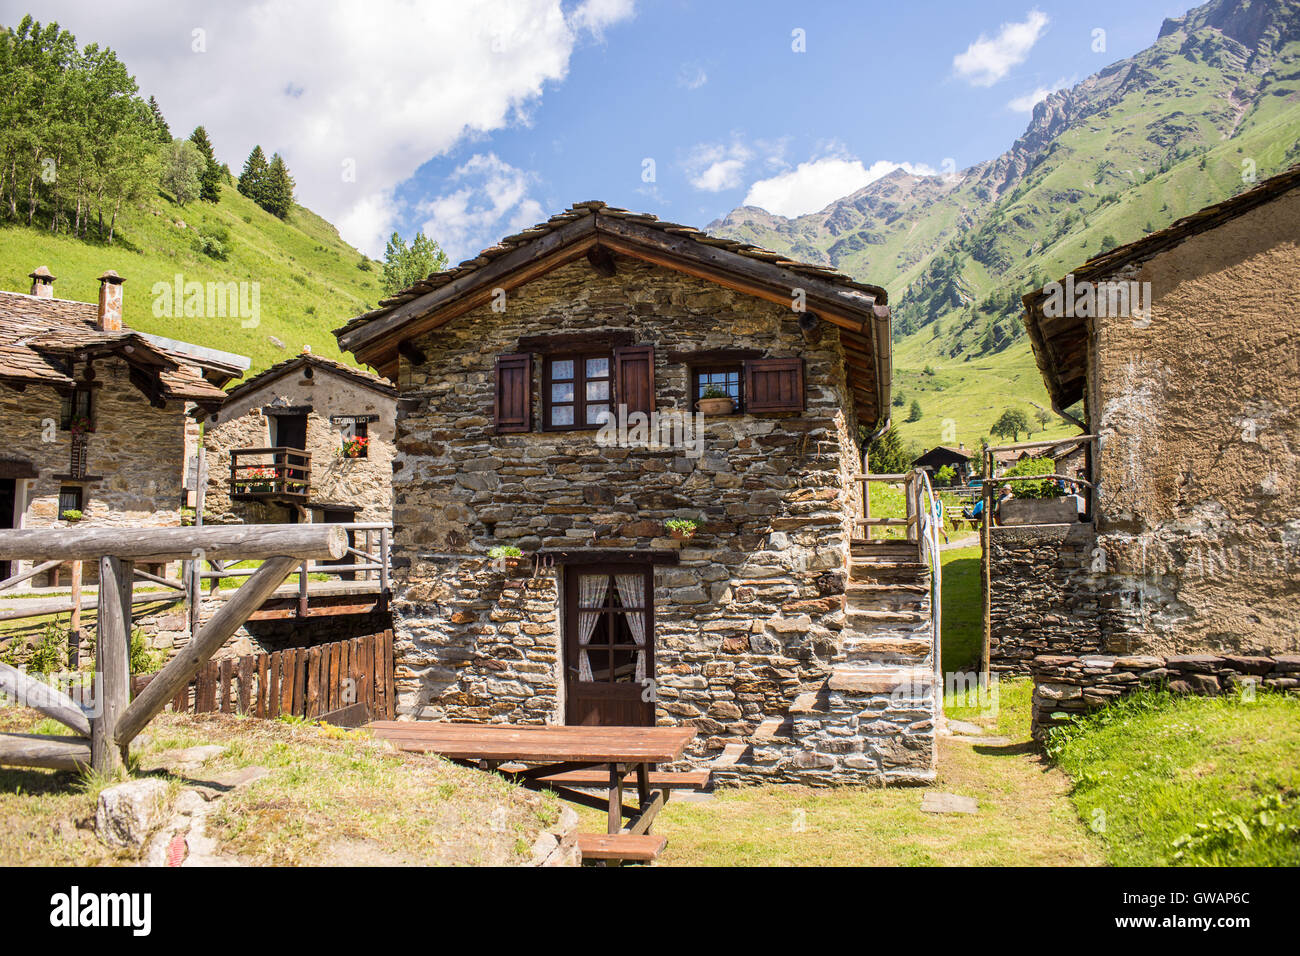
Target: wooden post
36, 694
302, 588
112, 661
385, 544
986, 564
74, 622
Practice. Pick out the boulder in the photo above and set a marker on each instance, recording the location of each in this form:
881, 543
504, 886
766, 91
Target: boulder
127, 813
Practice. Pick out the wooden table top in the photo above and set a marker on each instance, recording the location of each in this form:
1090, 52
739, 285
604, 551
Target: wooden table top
537, 744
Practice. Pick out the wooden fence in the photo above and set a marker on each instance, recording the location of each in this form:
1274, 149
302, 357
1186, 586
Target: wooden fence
345, 681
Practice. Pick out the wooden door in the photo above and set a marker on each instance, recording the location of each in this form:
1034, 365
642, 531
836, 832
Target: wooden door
609, 645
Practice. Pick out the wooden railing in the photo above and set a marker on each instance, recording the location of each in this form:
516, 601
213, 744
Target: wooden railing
104, 731
270, 472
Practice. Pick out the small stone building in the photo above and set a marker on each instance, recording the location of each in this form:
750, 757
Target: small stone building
96, 419
310, 439
946, 456
550, 395
1183, 347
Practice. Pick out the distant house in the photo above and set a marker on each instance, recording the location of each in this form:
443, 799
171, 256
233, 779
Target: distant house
1183, 347
96, 419
945, 456
308, 439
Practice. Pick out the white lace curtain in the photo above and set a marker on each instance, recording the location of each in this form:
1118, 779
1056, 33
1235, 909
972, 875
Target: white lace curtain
591, 593
631, 592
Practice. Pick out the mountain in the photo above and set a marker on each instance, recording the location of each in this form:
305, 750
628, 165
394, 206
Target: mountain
1210, 106
308, 280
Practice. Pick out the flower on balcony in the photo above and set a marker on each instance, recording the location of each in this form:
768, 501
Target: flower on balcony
355, 447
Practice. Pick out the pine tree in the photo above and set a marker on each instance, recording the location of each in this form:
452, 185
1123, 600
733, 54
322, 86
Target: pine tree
210, 177
164, 131
404, 266
278, 195
252, 181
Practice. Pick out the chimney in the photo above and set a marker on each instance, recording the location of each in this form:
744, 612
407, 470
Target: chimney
42, 283
110, 301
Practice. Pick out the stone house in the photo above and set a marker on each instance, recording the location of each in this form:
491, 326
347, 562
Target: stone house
310, 439
96, 418
945, 456
550, 400
1184, 348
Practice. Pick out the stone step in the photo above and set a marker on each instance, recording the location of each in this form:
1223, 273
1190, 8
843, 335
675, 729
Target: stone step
866, 679
886, 597
888, 572
869, 620
886, 650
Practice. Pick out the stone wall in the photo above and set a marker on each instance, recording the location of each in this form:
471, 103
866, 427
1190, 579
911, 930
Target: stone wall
1046, 594
749, 617
365, 483
1197, 411
1068, 685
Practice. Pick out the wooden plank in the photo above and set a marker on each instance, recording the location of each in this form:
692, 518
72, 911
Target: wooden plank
112, 661
538, 744
287, 658
28, 691
390, 687
207, 642
645, 817
159, 545
273, 690
354, 715
37, 750
181, 702
313, 682
245, 682
227, 672
262, 708
615, 798
638, 847
658, 780
299, 682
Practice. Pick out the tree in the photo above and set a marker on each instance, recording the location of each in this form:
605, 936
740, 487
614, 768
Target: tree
252, 181
1011, 424
1108, 242
161, 129
406, 265
945, 475
914, 413
1043, 416
277, 195
182, 167
211, 175
887, 455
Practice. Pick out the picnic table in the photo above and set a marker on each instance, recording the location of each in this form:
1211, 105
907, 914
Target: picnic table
561, 759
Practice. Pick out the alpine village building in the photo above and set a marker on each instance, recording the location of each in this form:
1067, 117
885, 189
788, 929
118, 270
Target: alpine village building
97, 420
550, 398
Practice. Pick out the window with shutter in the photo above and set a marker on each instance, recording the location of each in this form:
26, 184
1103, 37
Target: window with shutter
634, 370
514, 393
774, 385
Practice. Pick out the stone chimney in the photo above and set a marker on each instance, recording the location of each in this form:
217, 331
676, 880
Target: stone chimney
42, 283
110, 301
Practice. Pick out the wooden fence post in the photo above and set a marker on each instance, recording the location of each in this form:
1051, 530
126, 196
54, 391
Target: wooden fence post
112, 661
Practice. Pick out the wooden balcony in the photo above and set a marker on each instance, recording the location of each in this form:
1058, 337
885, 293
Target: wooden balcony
270, 474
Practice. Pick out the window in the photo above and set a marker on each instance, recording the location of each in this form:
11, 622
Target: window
722, 378
77, 410
576, 391
70, 498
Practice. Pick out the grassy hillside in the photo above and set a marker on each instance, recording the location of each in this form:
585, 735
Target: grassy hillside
1129, 150
310, 281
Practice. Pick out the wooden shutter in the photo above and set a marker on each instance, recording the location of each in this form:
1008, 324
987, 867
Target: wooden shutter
514, 393
634, 377
774, 385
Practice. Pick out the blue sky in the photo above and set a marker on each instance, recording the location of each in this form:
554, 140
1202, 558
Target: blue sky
474, 118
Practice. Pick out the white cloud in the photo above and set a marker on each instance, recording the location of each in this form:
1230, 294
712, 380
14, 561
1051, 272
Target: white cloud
1026, 103
988, 60
814, 185
714, 167
692, 76
490, 201
385, 84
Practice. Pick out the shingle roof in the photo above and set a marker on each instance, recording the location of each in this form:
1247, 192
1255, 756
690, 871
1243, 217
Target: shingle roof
360, 376
38, 335
577, 211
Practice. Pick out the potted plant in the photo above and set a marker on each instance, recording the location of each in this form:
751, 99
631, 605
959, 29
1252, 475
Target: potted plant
507, 556
683, 529
260, 480
355, 447
71, 515
715, 401
81, 425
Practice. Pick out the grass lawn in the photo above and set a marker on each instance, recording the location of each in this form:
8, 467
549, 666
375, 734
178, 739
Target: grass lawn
963, 613
1155, 768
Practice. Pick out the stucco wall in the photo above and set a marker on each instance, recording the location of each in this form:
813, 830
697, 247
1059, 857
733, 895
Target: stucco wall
750, 617
363, 482
1198, 415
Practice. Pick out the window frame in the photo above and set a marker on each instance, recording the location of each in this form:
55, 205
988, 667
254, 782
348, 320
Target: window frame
78, 492
352, 428
580, 380
737, 368
68, 406
572, 610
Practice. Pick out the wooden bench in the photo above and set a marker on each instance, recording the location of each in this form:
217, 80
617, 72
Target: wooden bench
688, 780
637, 847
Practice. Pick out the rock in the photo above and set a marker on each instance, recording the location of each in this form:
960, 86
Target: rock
948, 803
189, 758
127, 813
961, 727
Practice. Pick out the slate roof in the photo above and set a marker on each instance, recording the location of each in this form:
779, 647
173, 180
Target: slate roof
39, 336
359, 376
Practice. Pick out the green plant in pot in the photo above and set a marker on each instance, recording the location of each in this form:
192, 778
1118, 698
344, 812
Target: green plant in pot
683, 529
715, 401
72, 515
507, 556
